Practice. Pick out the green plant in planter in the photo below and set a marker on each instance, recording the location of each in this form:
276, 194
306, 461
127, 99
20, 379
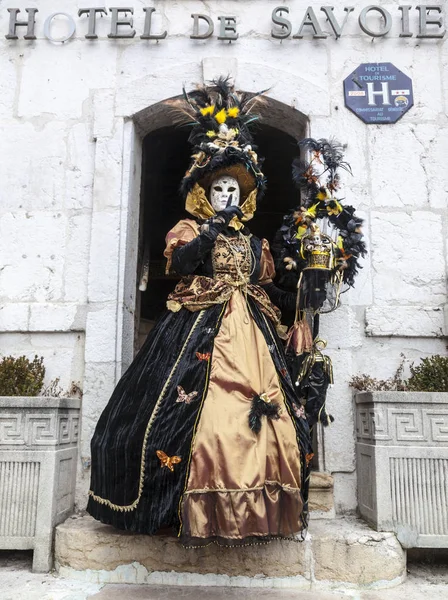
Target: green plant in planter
21, 376
431, 375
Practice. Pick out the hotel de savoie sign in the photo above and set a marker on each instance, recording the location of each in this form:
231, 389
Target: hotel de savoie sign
318, 22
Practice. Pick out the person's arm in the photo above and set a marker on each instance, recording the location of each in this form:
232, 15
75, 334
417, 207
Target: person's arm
285, 301
187, 257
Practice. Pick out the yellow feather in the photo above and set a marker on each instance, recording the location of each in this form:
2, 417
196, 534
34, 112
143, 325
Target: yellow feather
311, 212
221, 116
323, 194
208, 110
301, 230
233, 112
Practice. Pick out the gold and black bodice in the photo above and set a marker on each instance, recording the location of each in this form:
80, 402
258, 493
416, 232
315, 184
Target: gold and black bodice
232, 260
234, 265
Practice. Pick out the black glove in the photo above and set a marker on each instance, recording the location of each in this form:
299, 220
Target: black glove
285, 301
215, 225
186, 259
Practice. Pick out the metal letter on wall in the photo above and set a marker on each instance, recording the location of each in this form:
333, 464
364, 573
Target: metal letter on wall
378, 93
116, 22
405, 32
227, 30
14, 23
329, 11
201, 36
385, 15
310, 20
285, 27
147, 35
424, 21
92, 12
47, 28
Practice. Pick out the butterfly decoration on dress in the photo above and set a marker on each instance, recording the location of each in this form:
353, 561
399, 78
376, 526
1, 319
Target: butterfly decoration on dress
299, 411
184, 397
168, 461
201, 356
309, 458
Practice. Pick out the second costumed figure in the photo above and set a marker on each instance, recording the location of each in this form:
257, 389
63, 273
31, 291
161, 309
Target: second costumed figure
204, 432
317, 252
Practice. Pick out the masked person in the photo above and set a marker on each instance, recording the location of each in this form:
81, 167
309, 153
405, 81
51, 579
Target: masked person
204, 432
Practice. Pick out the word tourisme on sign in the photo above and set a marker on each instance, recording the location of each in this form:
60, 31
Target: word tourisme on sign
22, 23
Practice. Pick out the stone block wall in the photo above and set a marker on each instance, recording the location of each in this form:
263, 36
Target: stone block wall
70, 173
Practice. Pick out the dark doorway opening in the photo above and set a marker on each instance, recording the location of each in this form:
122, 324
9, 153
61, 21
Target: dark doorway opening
166, 155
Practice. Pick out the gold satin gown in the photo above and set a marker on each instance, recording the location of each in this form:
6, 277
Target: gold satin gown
240, 484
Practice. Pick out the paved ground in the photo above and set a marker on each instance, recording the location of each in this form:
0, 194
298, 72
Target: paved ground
425, 582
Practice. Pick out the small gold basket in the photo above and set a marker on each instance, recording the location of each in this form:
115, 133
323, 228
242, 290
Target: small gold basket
320, 259
318, 250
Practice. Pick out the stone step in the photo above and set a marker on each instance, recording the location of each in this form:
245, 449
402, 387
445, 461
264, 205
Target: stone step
321, 498
343, 550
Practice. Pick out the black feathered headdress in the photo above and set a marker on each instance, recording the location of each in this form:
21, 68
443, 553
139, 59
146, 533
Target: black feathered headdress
317, 177
221, 139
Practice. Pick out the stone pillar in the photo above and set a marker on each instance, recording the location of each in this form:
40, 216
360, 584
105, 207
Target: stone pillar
112, 267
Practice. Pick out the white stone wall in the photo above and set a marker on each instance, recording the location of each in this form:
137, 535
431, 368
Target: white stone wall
69, 173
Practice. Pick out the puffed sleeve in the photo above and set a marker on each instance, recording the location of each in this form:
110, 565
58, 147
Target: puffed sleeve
267, 268
182, 233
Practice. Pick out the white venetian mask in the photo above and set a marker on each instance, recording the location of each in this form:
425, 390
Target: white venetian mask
224, 192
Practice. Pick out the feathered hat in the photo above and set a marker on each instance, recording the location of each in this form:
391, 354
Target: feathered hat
222, 144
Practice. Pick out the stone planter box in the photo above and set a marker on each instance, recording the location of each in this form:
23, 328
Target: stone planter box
38, 447
402, 465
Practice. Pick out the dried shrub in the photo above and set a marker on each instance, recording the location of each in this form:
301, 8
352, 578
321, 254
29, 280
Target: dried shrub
431, 375
54, 390
21, 376
365, 383
75, 390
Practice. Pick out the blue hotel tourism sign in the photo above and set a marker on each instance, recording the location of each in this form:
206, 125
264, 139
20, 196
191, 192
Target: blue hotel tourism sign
378, 93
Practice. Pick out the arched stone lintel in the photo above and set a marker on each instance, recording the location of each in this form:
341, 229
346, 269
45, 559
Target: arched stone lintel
272, 112
290, 98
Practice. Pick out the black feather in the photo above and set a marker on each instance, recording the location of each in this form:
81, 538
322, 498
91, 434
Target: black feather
260, 408
222, 87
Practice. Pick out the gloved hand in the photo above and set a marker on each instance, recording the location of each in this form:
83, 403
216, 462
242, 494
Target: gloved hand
228, 213
187, 258
213, 226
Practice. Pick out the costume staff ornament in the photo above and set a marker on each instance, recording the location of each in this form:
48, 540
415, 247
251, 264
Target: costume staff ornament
317, 251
